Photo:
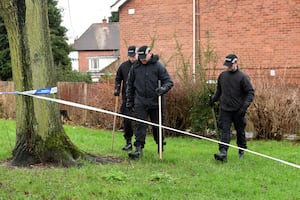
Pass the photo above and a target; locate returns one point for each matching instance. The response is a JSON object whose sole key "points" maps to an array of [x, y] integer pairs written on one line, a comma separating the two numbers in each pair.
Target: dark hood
{"points": [[154, 59]]}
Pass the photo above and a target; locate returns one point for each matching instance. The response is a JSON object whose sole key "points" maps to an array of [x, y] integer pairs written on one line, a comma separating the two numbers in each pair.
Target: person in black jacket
{"points": [[236, 94], [121, 79], [142, 94]]}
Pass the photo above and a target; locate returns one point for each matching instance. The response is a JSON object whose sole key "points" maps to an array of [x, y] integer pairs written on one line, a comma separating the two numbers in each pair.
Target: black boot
{"points": [[128, 146], [222, 156], [136, 154], [241, 154]]}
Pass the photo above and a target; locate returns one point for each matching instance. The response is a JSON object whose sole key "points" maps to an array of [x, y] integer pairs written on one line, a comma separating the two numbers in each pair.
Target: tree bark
{"points": [[40, 134]]}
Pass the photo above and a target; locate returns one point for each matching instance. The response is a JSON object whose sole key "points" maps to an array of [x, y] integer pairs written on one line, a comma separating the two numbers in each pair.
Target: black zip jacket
{"points": [[235, 90], [143, 80]]}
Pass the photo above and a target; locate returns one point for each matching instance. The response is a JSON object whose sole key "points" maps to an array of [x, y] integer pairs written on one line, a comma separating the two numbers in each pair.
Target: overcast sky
{"points": [[79, 15]]}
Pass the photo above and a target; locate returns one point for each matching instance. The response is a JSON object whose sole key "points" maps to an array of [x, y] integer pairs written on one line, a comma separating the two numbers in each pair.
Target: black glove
{"points": [[242, 111], [211, 102], [161, 90], [117, 92], [129, 105]]}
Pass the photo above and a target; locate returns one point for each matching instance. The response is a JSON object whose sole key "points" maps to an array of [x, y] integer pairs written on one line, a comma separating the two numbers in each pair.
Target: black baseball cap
{"points": [[230, 59], [143, 51], [131, 51]]}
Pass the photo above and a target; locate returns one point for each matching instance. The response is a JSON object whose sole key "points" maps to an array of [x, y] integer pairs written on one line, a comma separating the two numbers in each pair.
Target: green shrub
{"points": [[201, 113], [195, 87], [73, 76]]}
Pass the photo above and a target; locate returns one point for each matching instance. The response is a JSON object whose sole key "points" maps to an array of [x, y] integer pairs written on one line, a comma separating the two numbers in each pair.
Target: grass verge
{"points": [[187, 171]]}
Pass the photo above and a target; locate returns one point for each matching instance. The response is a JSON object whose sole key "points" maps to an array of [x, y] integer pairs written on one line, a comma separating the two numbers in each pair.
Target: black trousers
{"points": [[127, 123], [143, 112], [225, 120]]}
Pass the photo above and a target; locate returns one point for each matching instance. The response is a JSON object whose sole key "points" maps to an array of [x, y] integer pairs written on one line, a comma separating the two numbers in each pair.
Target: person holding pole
{"points": [[121, 79], [142, 95], [236, 93]]}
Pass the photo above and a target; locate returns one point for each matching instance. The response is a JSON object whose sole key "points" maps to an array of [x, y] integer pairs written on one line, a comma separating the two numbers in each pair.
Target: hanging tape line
{"points": [[44, 91], [52, 90]]}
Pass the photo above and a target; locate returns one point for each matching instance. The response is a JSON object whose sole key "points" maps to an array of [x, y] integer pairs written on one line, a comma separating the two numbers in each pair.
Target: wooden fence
{"points": [[99, 95]]}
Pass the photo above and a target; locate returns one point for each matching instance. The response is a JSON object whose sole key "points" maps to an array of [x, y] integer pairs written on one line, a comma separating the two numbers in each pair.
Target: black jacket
{"points": [[143, 80], [235, 90], [122, 74]]}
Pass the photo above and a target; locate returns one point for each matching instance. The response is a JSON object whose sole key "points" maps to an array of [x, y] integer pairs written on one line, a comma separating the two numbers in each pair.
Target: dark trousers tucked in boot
{"points": [[222, 156], [136, 154], [128, 146]]}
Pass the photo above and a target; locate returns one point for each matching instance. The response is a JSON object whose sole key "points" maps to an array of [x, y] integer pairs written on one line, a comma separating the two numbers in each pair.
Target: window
{"points": [[96, 64]]}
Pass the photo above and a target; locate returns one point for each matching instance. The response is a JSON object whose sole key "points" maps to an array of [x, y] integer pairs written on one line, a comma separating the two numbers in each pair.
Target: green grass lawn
{"points": [[187, 171]]}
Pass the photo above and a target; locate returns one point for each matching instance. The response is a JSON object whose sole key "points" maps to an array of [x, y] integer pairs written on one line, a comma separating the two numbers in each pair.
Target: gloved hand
{"points": [[117, 92], [129, 105], [211, 102], [160, 91], [117, 89], [242, 111]]}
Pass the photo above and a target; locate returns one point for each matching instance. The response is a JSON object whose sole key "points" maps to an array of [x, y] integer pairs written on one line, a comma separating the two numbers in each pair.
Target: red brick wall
{"points": [[157, 21], [264, 34], [83, 61]]}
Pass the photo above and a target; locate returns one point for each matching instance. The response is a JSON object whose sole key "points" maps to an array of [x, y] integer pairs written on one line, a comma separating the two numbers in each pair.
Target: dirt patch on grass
{"points": [[96, 159]]}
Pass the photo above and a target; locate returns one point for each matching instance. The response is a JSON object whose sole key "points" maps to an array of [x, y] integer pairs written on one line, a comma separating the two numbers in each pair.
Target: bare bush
{"points": [[178, 108], [275, 111]]}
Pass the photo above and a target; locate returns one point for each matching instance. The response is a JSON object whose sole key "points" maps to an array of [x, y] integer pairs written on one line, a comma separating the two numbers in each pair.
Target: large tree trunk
{"points": [[40, 134]]}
